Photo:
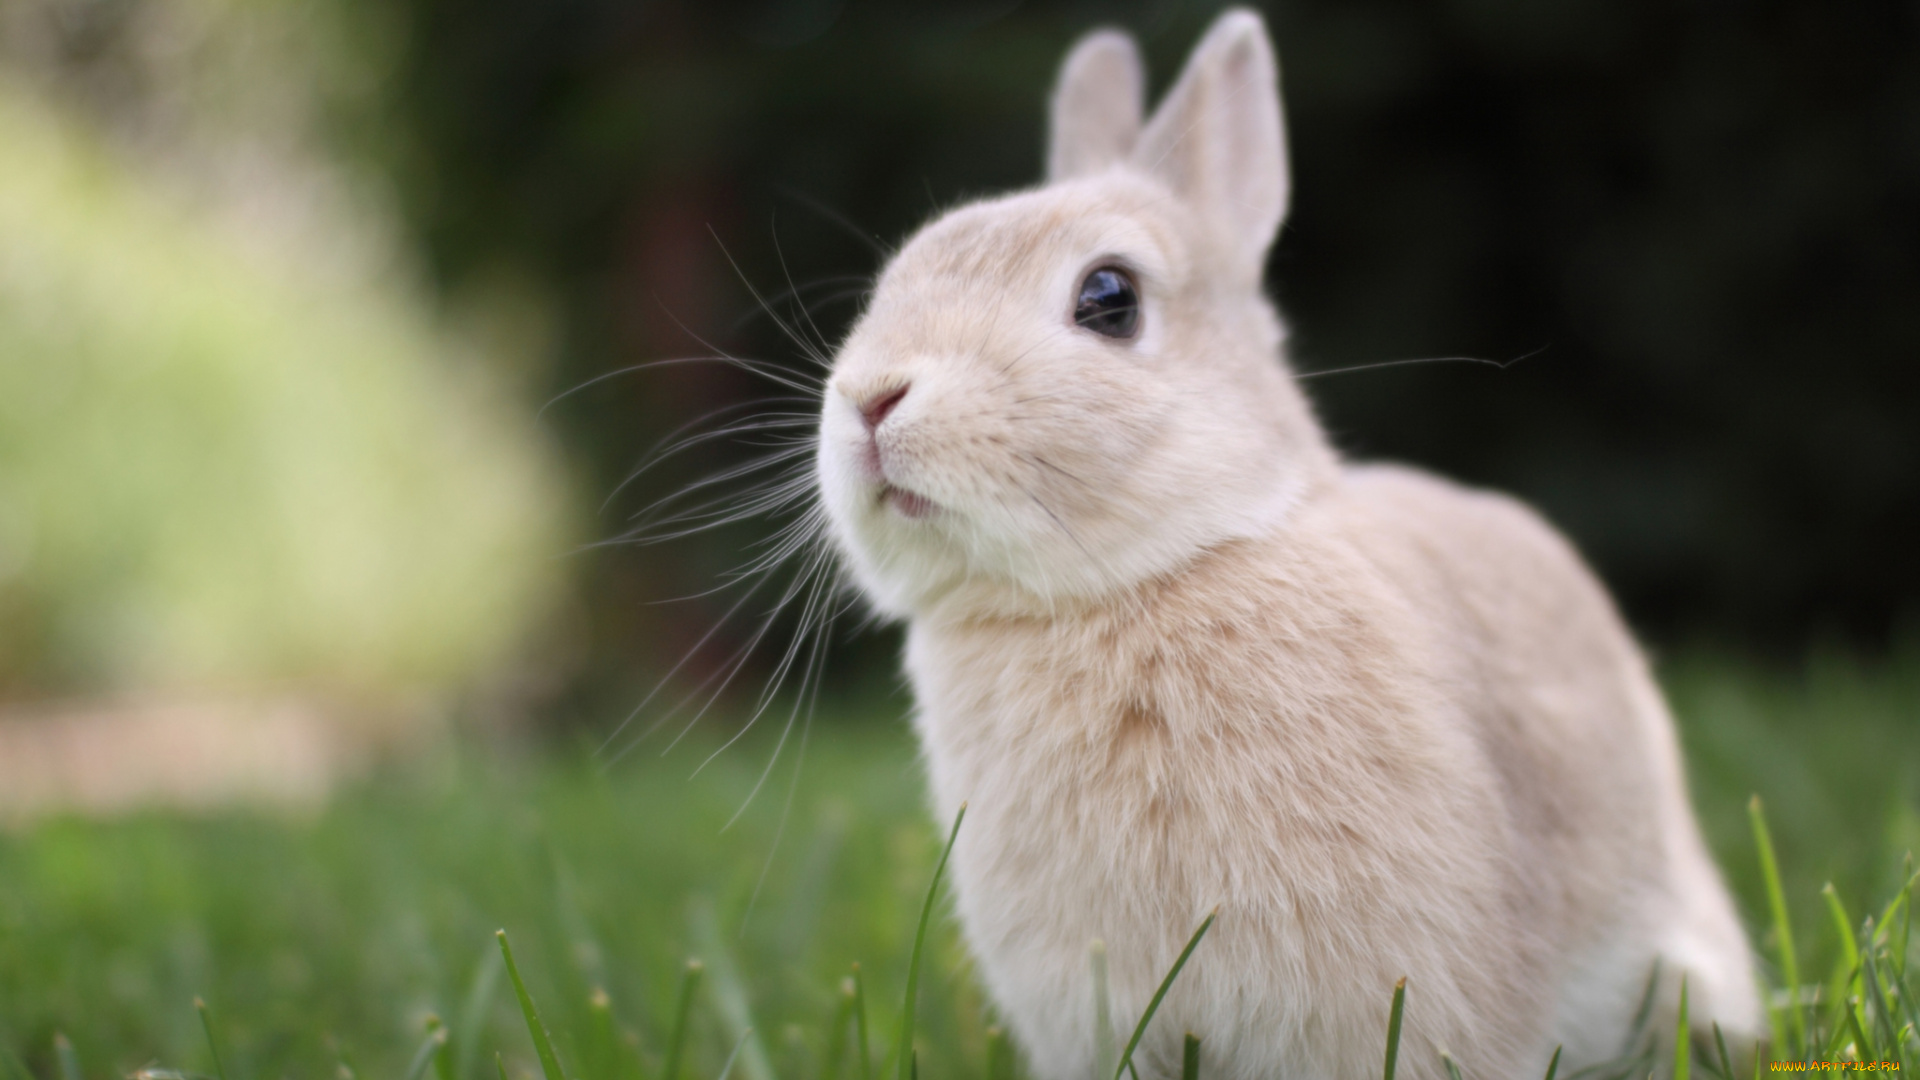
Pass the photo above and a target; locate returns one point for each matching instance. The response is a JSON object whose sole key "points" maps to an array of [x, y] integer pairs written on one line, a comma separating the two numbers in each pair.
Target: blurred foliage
{"points": [[1695, 228], [1698, 223], [230, 460]]}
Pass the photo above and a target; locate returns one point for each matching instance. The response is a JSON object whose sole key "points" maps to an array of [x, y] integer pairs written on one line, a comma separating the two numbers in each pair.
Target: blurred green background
{"points": [[284, 283]]}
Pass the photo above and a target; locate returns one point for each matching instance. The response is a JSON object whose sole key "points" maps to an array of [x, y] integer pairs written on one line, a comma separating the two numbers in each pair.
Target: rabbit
{"points": [[1175, 655]]}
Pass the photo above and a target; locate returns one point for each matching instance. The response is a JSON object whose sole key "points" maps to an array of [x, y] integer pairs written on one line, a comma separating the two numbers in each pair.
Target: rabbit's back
{"points": [[1569, 719]]}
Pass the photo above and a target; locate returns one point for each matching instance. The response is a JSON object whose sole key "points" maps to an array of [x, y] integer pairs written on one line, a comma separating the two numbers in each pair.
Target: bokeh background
{"points": [[325, 333], [285, 286]]}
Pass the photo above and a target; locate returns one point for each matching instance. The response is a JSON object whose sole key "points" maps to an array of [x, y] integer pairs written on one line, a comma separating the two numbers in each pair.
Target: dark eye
{"points": [[1109, 303]]}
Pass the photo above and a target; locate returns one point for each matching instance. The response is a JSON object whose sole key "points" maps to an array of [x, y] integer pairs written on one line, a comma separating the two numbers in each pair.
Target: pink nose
{"points": [[876, 408]]}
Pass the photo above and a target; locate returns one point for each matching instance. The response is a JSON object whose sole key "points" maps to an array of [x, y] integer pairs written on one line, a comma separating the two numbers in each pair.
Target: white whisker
{"points": [[1501, 365]]}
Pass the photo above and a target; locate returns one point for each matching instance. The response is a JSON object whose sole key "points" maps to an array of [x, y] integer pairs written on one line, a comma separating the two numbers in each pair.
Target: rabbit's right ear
{"points": [[1097, 105], [1218, 139]]}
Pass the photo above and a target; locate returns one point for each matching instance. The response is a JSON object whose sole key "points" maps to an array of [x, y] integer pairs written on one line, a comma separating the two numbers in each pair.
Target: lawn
{"points": [[325, 943]]}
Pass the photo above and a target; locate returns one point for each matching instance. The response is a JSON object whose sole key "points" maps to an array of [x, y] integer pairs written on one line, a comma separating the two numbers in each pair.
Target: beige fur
{"points": [[1175, 654]]}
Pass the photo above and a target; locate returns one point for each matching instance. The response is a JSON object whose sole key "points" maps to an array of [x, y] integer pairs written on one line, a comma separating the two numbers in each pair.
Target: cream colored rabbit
{"points": [[1174, 653]]}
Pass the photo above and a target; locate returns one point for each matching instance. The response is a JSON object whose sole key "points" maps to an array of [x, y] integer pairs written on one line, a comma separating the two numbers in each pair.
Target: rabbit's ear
{"points": [[1218, 138], [1097, 105]]}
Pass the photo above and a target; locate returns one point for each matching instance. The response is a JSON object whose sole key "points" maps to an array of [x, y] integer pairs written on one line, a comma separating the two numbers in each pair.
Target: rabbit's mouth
{"points": [[906, 502]]}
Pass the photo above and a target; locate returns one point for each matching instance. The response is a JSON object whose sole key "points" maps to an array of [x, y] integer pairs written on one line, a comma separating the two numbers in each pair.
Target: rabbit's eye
{"points": [[1109, 303]]}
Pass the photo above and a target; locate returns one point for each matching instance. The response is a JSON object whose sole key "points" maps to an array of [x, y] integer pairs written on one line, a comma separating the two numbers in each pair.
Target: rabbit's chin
{"points": [[914, 547]]}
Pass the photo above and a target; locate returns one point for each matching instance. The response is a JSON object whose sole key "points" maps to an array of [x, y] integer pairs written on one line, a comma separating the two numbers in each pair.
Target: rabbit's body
{"points": [[1375, 739], [1175, 655]]}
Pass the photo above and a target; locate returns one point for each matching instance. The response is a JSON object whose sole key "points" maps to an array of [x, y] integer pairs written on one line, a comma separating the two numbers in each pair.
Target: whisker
{"points": [[811, 385], [796, 533], [806, 313], [685, 658], [808, 681], [676, 361], [811, 697], [1045, 464], [798, 292], [879, 246], [1048, 510], [735, 664], [1499, 364], [766, 624], [735, 472], [799, 340], [713, 514], [773, 685], [662, 452]]}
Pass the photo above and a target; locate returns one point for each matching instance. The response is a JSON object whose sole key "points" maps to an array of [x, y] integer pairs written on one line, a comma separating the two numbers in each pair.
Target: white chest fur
{"points": [[1288, 762]]}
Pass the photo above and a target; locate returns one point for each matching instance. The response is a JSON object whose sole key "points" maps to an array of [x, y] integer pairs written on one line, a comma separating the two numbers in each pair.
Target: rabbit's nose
{"points": [[875, 409]]}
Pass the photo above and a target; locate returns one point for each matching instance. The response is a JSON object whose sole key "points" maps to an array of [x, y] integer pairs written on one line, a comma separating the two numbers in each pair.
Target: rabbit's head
{"points": [[1065, 391]]}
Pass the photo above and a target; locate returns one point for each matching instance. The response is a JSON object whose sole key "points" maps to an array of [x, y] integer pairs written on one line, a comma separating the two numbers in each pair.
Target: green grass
{"points": [[363, 937]]}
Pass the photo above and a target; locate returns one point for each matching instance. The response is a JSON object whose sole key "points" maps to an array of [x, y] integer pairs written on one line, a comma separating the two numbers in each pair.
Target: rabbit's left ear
{"points": [[1219, 141], [1097, 103]]}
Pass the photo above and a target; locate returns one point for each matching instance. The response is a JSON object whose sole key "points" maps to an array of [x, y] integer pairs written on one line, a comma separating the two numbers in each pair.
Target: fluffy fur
{"points": [[1175, 654]]}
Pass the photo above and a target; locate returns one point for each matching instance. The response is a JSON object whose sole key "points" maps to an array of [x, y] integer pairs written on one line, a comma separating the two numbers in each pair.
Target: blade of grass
{"points": [[423, 1057], [1899, 911], [1838, 1034], [1190, 1058], [1720, 1044], [727, 991], [344, 1067], [443, 1055], [1453, 1070], [1883, 1012], [1395, 1014], [1683, 1039], [500, 1063], [603, 1047], [1910, 1002], [1104, 1061], [1643, 1013], [11, 1067], [1906, 923], [472, 1022], [1140, 1029], [213, 1048], [1783, 931], [738, 1045], [1849, 945], [919, 944], [840, 1031], [999, 1055], [542, 1042], [682, 1016], [1553, 1064], [863, 1044], [1862, 1046], [65, 1057], [1900, 898]]}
